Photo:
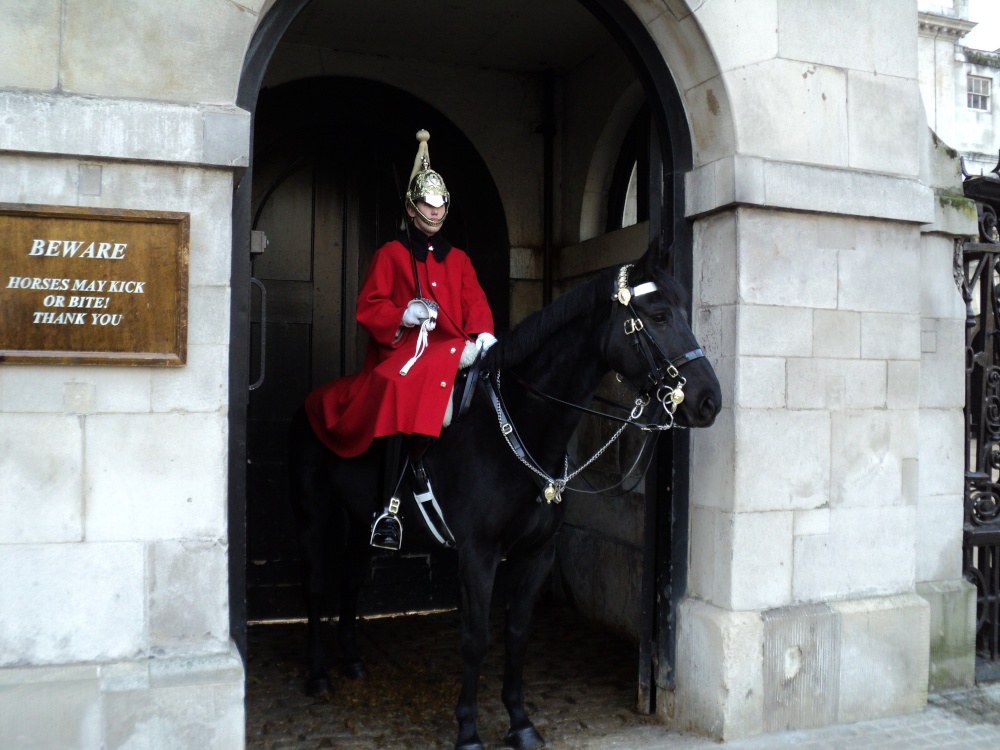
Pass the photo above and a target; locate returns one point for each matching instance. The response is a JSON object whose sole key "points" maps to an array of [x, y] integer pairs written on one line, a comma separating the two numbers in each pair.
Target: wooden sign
{"points": [[93, 286]]}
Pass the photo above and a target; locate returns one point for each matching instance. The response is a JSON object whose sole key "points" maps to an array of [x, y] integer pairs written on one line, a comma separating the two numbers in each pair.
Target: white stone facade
{"points": [[826, 502], [114, 600]]}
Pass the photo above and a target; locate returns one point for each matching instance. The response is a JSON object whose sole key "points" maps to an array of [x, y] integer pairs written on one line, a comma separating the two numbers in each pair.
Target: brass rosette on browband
{"points": [[425, 184]]}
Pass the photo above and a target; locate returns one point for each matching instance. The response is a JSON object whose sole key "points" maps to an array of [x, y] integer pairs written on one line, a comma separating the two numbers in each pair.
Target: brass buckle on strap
{"points": [[632, 325]]}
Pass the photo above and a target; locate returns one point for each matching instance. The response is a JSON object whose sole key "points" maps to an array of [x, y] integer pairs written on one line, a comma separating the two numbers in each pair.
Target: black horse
{"points": [[499, 471]]}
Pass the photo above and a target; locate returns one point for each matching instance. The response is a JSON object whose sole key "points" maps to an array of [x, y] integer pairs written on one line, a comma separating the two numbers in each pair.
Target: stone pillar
{"points": [[941, 395], [114, 610], [825, 495], [817, 496], [804, 494]]}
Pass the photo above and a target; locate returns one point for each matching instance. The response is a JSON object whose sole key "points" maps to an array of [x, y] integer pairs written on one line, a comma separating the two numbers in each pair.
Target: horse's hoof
{"points": [[477, 745], [319, 687], [526, 738], [356, 670]]}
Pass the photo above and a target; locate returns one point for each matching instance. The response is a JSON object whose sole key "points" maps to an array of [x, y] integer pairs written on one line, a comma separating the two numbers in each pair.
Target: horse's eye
{"points": [[661, 317]]}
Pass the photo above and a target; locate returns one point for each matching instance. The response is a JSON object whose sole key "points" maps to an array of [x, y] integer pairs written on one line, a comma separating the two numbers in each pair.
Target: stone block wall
{"points": [[828, 491], [826, 317], [114, 611], [801, 666], [834, 479], [192, 702], [114, 541]]}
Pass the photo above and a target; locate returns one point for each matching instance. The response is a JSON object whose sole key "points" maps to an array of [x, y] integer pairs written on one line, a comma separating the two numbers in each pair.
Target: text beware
{"points": [[70, 248]]}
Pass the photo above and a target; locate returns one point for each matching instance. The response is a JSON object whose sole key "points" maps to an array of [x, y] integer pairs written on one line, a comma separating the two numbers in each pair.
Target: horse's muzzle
{"points": [[702, 396]]}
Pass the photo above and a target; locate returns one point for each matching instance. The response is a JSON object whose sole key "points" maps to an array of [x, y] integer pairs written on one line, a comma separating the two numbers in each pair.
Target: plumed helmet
{"points": [[425, 184]]}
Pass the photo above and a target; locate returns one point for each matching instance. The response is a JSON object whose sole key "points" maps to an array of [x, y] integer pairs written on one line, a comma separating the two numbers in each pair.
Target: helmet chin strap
{"points": [[429, 221]]}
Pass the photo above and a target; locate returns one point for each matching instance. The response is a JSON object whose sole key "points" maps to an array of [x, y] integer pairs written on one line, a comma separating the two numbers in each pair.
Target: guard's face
{"points": [[433, 213]]}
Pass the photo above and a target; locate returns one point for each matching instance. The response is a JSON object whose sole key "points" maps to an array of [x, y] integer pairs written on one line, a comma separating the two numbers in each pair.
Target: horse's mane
{"points": [[539, 328]]}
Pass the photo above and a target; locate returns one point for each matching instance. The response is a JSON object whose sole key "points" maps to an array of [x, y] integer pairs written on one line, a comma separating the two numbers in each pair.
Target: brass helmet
{"points": [[425, 184]]}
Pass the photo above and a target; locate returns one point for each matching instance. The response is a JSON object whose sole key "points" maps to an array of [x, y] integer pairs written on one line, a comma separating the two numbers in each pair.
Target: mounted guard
{"points": [[426, 316]]}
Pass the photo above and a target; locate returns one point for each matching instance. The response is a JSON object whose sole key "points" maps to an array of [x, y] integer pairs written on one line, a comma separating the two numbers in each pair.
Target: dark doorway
{"points": [[332, 157]]}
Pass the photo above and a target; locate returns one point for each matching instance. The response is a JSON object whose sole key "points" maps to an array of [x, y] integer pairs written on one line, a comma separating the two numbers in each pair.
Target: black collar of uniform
{"points": [[418, 243]]}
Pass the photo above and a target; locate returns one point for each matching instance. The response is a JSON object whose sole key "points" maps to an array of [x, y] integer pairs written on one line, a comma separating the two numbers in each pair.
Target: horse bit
{"points": [[668, 396]]}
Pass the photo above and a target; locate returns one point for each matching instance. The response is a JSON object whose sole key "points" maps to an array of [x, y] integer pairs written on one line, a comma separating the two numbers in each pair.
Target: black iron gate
{"points": [[981, 532]]}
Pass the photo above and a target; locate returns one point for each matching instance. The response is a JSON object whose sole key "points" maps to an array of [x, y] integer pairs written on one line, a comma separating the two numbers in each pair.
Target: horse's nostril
{"points": [[709, 408]]}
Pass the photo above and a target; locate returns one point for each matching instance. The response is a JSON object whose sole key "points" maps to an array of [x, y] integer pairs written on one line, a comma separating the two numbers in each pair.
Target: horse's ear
{"points": [[667, 259], [647, 264], [655, 261]]}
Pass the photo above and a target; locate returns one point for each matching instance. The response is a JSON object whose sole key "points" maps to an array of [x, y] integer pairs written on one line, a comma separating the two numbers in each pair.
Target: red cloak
{"points": [[348, 413]]}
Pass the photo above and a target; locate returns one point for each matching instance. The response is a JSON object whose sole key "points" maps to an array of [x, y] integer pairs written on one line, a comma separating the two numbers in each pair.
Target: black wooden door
{"points": [[329, 172]]}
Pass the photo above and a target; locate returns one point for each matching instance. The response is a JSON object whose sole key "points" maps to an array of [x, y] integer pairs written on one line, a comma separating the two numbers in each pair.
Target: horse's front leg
{"points": [[477, 571], [526, 577]]}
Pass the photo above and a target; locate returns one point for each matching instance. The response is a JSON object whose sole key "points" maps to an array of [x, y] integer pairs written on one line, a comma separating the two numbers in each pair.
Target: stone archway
{"points": [[648, 35]]}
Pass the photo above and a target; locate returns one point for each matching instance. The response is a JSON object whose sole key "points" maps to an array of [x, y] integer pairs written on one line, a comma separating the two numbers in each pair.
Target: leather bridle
{"points": [[665, 383], [664, 380]]}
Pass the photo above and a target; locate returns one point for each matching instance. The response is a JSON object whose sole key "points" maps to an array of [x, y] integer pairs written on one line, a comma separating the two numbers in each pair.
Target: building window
{"points": [[628, 198], [979, 93]]}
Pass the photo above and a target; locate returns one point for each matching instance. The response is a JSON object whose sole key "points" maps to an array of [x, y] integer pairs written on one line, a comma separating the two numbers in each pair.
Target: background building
{"points": [[957, 83]]}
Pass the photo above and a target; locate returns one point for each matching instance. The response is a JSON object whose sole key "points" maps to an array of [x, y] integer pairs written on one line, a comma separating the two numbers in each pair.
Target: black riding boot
{"points": [[418, 474], [387, 528]]}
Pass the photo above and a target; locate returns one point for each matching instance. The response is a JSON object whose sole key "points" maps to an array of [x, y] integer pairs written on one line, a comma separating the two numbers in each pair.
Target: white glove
{"points": [[484, 341], [416, 313]]}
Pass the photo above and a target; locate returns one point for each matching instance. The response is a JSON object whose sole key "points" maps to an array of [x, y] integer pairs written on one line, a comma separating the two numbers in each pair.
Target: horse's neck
{"points": [[573, 379], [571, 374]]}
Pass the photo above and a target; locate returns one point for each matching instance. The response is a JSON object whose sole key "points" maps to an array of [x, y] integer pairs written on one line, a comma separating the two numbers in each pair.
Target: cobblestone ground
{"points": [[579, 686]]}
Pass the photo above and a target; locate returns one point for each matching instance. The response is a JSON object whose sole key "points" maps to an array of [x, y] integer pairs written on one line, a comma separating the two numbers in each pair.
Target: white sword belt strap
{"points": [[437, 526]]}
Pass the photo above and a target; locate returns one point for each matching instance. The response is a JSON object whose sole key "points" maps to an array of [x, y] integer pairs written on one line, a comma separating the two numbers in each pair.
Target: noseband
{"points": [[663, 376]]}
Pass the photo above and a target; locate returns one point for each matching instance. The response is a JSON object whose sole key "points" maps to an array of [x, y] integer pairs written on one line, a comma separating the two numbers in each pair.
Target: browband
{"points": [[644, 288]]}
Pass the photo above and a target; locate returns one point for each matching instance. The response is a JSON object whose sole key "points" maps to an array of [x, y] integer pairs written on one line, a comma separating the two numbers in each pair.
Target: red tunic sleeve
{"points": [[381, 301]]}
